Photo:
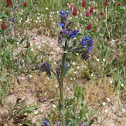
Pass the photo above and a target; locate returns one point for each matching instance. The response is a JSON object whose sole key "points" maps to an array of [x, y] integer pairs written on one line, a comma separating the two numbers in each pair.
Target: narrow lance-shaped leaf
{"points": [[22, 40], [67, 71], [91, 122]]}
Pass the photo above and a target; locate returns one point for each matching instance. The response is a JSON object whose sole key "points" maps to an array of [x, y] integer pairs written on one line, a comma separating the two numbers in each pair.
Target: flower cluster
{"points": [[66, 30], [75, 11], [119, 4], [64, 15], [25, 4], [9, 2], [3, 26], [88, 43], [89, 26], [84, 3], [106, 2]]}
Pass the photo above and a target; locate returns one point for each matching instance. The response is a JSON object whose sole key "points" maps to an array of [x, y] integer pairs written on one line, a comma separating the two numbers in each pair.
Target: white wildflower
{"points": [[36, 112], [108, 99], [92, 75], [103, 103], [73, 63], [78, 67], [53, 105], [122, 85], [111, 81], [97, 60]]}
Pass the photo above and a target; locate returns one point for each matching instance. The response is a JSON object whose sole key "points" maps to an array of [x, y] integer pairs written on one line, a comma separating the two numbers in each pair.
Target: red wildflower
{"points": [[3, 26], [84, 3], [119, 4], [91, 9], [35, 0], [101, 13], [93, 30], [71, 5], [10, 2], [106, 2], [87, 14], [23, 54], [2, 45], [75, 11], [89, 26], [25, 4], [27, 46]]}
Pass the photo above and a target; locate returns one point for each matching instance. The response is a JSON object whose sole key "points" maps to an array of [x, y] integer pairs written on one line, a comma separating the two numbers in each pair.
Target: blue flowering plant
{"points": [[65, 40]]}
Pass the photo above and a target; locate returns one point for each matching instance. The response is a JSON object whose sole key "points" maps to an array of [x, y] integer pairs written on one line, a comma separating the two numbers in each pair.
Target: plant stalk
{"points": [[107, 24], [61, 85]]}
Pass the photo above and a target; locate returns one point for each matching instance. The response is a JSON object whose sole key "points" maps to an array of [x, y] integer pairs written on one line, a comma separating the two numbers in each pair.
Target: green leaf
{"points": [[28, 109], [3, 16], [22, 40], [67, 71], [29, 58], [66, 52], [91, 122], [11, 40], [94, 112], [60, 106], [69, 43], [112, 63], [79, 92]]}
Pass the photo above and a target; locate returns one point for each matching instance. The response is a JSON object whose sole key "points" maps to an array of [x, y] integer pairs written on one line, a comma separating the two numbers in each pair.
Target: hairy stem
{"points": [[61, 86]]}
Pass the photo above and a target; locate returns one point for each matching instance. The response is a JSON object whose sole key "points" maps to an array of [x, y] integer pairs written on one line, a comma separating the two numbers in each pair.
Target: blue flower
{"points": [[84, 39], [59, 63], [84, 43], [72, 35], [12, 19], [45, 122], [75, 32], [21, 1], [86, 36], [64, 13], [46, 63], [61, 24], [89, 48], [67, 32], [88, 40], [92, 42]]}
